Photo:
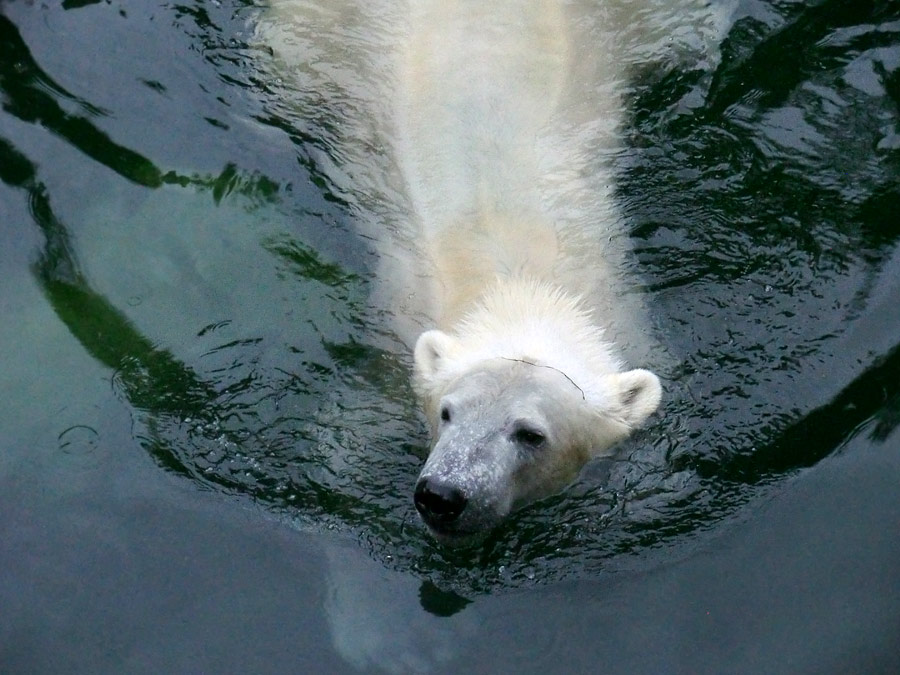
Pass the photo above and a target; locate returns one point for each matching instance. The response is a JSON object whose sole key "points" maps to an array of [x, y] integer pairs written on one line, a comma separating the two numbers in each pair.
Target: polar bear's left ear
{"points": [[433, 348], [636, 394]]}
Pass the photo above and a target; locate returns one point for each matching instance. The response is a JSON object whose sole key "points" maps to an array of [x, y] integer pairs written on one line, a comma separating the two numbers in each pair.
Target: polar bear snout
{"points": [[438, 503]]}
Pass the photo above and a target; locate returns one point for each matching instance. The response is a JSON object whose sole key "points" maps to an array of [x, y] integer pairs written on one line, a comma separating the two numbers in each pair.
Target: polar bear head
{"points": [[508, 430]]}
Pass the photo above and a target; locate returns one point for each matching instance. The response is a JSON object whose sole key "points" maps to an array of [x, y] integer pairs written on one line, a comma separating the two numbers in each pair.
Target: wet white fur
{"points": [[485, 102], [527, 253], [538, 323], [477, 144]]}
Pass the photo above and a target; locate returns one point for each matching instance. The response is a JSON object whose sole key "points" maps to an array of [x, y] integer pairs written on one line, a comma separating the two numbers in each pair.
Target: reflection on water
{"points": [[762, 198]]}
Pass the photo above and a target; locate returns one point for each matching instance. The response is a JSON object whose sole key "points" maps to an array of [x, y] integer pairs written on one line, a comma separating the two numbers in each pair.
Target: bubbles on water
{"points": [[78, 439]]}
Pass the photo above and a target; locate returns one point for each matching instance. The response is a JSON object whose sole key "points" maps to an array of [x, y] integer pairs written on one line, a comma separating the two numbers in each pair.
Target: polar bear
{"points": [[519, 381], [492, 129]]}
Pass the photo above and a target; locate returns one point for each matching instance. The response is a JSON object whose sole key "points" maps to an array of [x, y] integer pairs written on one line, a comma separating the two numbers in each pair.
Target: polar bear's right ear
{"points": [[637, 394], [433, 348]]}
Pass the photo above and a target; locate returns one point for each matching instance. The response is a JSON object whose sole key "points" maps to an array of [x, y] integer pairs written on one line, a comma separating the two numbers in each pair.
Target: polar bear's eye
{"points": [[530, 437], [445, 413]]}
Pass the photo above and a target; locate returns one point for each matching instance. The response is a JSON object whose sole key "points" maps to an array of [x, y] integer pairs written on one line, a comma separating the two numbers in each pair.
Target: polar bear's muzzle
{"points": [[439, 503], [450, 514]]}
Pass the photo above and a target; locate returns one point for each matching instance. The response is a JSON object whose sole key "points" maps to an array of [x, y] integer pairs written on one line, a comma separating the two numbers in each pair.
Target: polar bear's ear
{"points": [[432, 349], [636, 394]]}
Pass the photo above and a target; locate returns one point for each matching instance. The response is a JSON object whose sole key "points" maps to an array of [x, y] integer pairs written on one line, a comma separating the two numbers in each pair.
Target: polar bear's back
{"points": [[479, 83], [493, 149], [502, 118], [508, 122]]}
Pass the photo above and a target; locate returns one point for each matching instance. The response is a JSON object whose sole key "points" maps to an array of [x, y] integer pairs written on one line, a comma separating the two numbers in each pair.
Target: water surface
{"points": [[209, 439]]}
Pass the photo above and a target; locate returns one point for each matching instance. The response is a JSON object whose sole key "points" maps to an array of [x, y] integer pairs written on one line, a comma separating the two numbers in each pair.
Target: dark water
{"points": [[209, 440]]}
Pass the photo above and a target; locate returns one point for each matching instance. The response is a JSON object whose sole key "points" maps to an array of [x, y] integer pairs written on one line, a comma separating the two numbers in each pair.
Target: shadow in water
{"points": [[809, 440], [29, 94], [153, 379], [803, 37]]}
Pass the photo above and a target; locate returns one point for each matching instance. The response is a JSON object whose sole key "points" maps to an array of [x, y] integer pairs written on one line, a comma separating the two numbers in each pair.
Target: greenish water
{"points": [[208, 437]]}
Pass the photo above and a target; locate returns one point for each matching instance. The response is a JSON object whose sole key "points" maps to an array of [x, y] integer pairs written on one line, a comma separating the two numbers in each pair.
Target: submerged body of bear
{"points": [[503, 121], [519, 383]]}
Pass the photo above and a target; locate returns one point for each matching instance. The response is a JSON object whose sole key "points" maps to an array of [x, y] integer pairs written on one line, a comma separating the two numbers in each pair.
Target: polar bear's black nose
{"points": [[437, 502]]}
